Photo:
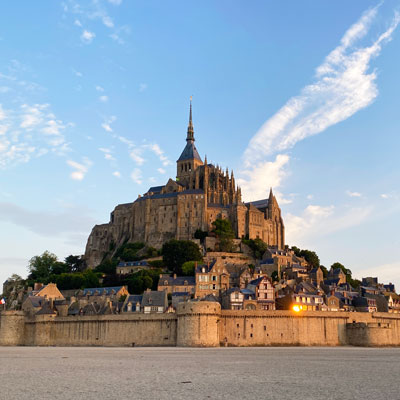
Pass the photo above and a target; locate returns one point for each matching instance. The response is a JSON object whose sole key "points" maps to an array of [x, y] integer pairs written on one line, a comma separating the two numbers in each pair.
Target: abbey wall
{"points": [[203, 324]]}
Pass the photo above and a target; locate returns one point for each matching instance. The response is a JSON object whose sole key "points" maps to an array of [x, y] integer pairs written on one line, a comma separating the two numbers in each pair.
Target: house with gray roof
{"points": [[154, 301]]}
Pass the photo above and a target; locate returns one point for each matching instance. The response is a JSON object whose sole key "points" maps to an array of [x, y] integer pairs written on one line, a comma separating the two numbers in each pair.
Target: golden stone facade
{"points": [[200, 194]]}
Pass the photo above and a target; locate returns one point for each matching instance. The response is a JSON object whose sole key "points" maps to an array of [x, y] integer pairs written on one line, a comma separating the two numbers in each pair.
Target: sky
{"points": [[301, 96]]}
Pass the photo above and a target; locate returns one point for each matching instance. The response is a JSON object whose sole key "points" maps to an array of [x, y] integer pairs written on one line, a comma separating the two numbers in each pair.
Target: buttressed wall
{"points": [[203, 324]]}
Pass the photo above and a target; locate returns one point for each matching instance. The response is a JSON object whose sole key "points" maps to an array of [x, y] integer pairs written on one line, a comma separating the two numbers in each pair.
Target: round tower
{"points": [[198, 324]]}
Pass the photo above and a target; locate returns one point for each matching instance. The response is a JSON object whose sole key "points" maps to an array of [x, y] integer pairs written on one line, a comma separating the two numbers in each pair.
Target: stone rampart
{"points": [[203, 324]]}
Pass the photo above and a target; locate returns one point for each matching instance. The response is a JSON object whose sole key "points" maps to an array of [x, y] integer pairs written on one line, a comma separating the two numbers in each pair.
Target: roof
{"points": [[36, 301], [169, 195], [189, 152], [102, 291], [207, 267], [155, 298], [258, 203], [133, 264], [178, 280], [155, 189]]}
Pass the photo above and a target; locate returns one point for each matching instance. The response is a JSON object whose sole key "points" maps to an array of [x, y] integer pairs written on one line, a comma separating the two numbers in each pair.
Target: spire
{"points": [[190, 130], [270, 193]]}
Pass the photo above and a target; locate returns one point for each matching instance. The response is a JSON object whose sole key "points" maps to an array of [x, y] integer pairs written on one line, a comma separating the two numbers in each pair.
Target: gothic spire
{"points": [[190, 130]]}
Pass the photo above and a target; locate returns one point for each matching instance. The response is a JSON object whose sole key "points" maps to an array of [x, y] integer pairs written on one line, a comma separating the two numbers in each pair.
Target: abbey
{"points": [[200, 194]]}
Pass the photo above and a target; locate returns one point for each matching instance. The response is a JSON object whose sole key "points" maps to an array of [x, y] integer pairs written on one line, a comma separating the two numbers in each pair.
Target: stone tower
{"points": [[190, 159]]}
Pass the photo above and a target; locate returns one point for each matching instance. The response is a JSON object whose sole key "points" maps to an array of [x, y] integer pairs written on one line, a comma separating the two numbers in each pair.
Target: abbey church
{"points": [[200, 194]]}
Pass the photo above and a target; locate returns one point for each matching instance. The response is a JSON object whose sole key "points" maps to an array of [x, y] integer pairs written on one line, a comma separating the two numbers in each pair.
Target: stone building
{"points": [[200, 193]]}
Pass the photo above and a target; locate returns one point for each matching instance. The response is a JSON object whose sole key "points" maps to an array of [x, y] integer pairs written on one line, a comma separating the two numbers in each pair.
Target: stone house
{"points": [[233, 299], [49, 291], [333, 303], [130, 267], [132, 303], [264, 292], [316, 276], [154, 302], [364, 304], [113, 292], [239, 275], [176, 283], [337, 273], [211, 278]]}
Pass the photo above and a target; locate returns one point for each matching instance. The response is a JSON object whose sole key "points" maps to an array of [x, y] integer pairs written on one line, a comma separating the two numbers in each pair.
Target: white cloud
{"points": [[256, 181], [310, 196], [342, 86], [136, 176], [103, 99], [77, 73], [80, 169], [32, 115], [384, 196], [117, 174], [78, 23], [106, 125], [87, 36], [353, 194], [155, 148], [99, 88], [316, 221], [161, 170], [108, 22], [136, 155], [115, 2], [107, 154]]}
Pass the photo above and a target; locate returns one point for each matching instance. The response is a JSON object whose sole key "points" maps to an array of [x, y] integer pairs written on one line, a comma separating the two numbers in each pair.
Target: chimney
{"points": [[37, 286]]}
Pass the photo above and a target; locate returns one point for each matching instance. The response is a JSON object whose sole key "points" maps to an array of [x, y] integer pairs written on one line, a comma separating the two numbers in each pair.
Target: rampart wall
{"points": [[203, 324]]}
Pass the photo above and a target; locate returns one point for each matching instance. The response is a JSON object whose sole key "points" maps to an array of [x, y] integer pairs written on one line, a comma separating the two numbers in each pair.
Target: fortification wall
{"points": [[12, 328], [203, 324], [107, 330], [311, 328]]}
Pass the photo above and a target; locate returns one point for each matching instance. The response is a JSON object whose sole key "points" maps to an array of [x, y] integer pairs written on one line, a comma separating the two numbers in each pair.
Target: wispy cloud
{"points": [[142, 87], [342, 86], [103, 99], [136, 155], [80, 169], [117, 174], [316, 221], [106, 125], [156, 149], [136, 176], [353, 194]]}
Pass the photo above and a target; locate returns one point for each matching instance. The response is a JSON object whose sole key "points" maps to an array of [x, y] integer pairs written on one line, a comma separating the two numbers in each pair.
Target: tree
{"points": [[310, 256], [41, 267], [107, 266], [188, 268], [257, 246], [75, 263], [274, 276], [324, 271], [176, 252], [224, 232], [199, 234]]}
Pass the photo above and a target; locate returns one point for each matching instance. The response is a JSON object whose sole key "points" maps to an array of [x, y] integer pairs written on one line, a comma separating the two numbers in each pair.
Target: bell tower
{"points": [[190, 158]]}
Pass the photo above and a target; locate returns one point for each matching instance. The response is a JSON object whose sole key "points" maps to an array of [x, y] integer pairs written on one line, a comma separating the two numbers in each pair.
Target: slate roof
{"points": [[170, 195], [36, 301], [133, 264], [101, 291], [179, 280], [155, 189], [154, 298], [189, 152], [208, 267], [259, 204]]}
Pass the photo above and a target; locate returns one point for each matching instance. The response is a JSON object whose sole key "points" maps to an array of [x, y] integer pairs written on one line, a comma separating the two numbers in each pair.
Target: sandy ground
{"points": [[181, 373]]}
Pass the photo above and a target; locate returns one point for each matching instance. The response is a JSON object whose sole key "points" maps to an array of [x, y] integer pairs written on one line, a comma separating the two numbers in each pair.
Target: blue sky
{"points": [[301, 96]]}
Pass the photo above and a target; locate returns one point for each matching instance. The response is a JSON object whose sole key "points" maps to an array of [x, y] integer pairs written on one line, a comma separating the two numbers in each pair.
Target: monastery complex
{"points": [[200, 194]]}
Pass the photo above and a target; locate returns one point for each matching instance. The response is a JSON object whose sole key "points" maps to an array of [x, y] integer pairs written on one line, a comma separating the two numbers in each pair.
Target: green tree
{"points": [[199, 234], [257, 246], [324, 270], [310, 256], [176, 252], [224, 232], [75, 263], [188, 268], [107, 266], [274, 276], [41, 267]]}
